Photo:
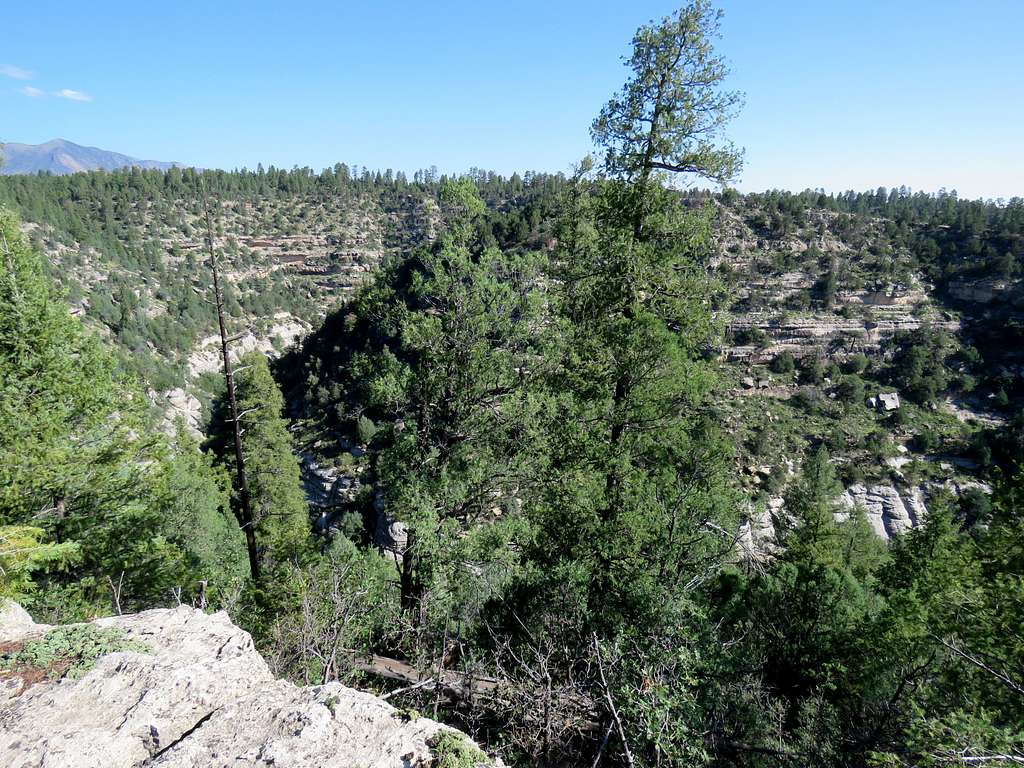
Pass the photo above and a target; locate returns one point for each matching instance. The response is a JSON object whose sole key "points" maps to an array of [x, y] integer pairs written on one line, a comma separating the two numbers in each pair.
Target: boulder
{"points": [[390, 534], [756, 538], [201, 696], [890, 401], [320, 483], [181, 405], [15, 621]]}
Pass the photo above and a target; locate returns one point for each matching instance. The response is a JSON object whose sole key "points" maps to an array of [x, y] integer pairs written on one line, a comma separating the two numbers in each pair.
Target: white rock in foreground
{"points": [[203, 697]]}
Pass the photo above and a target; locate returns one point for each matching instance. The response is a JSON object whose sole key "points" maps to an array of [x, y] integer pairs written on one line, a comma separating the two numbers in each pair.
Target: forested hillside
{"points": [[604, 469], [125, 247]]}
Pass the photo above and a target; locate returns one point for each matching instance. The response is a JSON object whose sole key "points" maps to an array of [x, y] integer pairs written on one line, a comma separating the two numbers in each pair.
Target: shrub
{"points": [[750, 336], [454, 751], [69, 651], [367, 429], [856, 364], [813, 371], [807, 400], [975, 507], [851, 389], [783, 363], [926, 441]]}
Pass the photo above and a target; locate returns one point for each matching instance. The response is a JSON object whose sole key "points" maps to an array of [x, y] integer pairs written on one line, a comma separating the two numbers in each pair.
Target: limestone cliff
{"points": [[190, 691]]}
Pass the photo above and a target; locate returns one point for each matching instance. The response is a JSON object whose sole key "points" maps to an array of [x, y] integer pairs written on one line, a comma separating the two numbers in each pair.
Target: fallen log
{"points": [[460, 687]]}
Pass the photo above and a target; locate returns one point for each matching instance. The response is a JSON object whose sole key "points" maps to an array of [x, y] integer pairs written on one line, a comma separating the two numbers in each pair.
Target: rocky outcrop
{"points": [[982, 291], [823, 332], [325, 486], [202, 696], [757, 537], [179, 405], [889, 511], [885, 401], [206, 356]]}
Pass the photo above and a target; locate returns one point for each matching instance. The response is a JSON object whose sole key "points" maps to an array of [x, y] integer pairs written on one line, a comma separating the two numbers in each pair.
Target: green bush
{"points": [[454, 751], [812, 371], [856, 364], [851, 389], [783, 363], [927, 440], [69, 651], [367, 429], [750, 336]]}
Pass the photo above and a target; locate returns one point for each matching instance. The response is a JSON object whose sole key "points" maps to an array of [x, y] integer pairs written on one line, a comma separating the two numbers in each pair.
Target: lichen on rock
{"points": [[179, 687]]}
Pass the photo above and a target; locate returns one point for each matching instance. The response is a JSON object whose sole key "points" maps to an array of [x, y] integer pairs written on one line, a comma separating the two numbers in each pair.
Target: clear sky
{"points": [[840, 94]]}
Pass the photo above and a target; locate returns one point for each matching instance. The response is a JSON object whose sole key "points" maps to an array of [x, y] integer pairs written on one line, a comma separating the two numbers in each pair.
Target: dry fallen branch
{"points": [[611, 702], [408, 688]]}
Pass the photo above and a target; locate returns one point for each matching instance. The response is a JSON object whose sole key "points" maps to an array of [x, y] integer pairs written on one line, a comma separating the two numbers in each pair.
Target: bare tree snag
{"points": [[243, 512]]}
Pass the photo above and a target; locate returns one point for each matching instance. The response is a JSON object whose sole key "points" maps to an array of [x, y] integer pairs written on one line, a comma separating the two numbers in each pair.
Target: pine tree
{"points": [[195, 501], [444, 343], [635, 510], [955, 605], [640, 492], [279, 505], [811, 530]]}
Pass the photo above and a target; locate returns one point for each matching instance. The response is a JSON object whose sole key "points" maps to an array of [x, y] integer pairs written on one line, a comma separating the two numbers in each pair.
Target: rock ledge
{"points": [[203, 697]]}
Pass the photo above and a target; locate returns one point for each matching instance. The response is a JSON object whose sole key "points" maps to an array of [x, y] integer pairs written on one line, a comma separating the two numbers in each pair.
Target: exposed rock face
{"points": [[757, 536], [323, 485], [813, 334], [889, 511], [983, 291], [203, 697], [180, 404], [390, 534], [206, 357]]}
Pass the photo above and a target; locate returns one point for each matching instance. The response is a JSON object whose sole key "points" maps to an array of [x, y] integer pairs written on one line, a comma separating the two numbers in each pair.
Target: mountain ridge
{"points": [[61, 157]]}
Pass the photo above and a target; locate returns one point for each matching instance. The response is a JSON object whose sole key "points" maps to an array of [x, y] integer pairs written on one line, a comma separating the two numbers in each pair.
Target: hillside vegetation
{"points": [[600, 468]]}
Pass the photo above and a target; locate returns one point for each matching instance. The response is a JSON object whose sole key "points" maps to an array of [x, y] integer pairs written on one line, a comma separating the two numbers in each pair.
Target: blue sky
{"points": [[839, 94]]}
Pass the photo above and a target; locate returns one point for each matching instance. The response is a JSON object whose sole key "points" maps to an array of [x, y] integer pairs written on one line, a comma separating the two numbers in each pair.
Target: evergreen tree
{"points": [[811, 531], [802, 632], [278, 500], [446, 341], [952, 628], [636, 509], [195, 501], [639, 492], [671, 113]]}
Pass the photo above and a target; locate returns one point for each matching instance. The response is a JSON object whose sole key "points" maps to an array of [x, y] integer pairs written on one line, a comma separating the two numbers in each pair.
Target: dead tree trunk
{"points": [[411, 586], [243, 511]]}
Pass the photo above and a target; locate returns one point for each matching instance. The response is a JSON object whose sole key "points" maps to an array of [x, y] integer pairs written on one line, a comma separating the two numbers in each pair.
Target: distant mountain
{"points": [[61, 157]]}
